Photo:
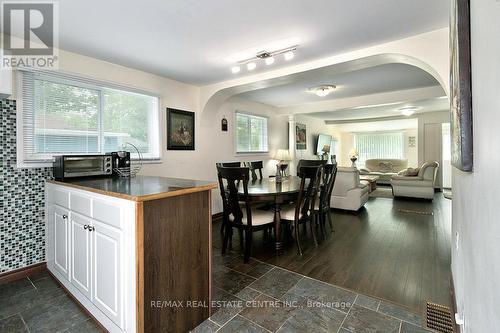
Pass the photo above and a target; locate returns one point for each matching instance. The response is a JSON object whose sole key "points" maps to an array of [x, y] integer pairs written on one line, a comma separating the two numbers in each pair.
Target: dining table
{"points": [[275, 192]]}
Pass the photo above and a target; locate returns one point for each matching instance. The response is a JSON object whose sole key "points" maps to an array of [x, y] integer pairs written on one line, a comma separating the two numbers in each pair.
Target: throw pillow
{"points": [[385, 167], [410, 172]]}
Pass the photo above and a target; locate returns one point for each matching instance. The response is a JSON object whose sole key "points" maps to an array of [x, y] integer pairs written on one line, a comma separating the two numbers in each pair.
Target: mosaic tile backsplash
{"points": [[22, 226]]}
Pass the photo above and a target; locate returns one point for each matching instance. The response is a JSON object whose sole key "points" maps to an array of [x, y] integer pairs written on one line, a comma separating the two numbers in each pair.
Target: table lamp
{"points": [[283, 156], [353, 156], [326, 151]]}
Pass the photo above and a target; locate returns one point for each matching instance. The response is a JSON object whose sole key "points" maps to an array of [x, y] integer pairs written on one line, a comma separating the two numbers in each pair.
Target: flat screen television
{"points": [[323, 140]]}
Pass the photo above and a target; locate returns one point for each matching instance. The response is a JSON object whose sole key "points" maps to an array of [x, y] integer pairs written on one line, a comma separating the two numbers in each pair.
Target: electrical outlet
{"points": [[457, 240]]}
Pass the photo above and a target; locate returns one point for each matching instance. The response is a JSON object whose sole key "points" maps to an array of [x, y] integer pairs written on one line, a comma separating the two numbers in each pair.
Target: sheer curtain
{"points": [[379, 145]]}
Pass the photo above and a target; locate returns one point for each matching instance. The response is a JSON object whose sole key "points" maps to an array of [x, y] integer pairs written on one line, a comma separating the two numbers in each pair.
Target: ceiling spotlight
{"points": [[235, 69], [289, 55], [322, 91], [408, 110], [251, 66], [269, 61]]}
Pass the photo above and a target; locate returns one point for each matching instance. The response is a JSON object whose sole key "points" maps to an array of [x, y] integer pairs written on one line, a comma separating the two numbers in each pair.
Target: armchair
{"points": [[348, 192], [420, 186]]}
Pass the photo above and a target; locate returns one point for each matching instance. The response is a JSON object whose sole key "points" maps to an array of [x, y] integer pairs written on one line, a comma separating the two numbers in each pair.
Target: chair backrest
{"points": [[428, 171], [329, 175], [307, 196], [255, 167], [230, 179], [229, 164], [308, 163]]}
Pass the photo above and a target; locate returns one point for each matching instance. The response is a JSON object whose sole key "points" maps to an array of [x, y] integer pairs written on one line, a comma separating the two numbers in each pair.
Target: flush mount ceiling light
{"points": [[322, 91], [408, 110], [268, 57]]}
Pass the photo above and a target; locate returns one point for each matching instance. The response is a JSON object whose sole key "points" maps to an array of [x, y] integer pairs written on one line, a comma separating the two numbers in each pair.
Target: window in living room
{"points": [[62, 114], [251, 133], [379, 145]]}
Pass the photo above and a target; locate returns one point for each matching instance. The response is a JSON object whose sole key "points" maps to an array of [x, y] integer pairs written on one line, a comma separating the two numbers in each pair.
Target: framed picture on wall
{"points": [[300, 137], [180, 129], [460, 86]]}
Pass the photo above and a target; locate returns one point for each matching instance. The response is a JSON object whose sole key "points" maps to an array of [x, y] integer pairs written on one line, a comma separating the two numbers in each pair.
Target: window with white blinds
{"points": [[379, 145], [251, 133], [62, 114]]}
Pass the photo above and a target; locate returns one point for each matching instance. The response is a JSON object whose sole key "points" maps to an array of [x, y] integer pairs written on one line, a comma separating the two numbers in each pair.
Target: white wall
{"points": [[213, 145], [429, 118], [314, 127], [476, 213]]}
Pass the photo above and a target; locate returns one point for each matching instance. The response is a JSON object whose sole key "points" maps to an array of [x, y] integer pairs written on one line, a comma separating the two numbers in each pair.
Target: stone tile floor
{"points": [[263, 298], [254, 297], [39, 304]]}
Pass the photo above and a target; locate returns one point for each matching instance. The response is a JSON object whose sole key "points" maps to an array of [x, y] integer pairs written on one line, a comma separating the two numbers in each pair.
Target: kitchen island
{"points": [[135, 252]]}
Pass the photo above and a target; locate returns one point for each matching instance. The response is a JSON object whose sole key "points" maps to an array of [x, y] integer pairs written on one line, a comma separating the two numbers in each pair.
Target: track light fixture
{"points": [[268, 57]]}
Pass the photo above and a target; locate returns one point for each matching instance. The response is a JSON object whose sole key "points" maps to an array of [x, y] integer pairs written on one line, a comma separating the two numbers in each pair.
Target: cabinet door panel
{"points": [[107, 271], [80, 253], [61, 244]]}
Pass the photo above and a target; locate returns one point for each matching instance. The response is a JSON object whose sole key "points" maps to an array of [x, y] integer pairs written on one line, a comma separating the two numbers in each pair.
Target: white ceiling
{"points": [[389, 125], [191, 41], [373, 80], [377, 111]]}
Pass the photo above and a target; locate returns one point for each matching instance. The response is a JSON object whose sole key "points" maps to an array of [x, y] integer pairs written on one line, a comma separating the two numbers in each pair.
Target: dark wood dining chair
{"points": [[322, 207], [237, 211], [255, 167], [226, 165], [229, 164], [308, 163], [302, 211]]}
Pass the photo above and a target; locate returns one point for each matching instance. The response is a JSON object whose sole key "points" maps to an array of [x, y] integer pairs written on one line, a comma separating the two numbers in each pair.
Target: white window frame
{"points": [[400, 132], [83, 82], [235, 134]]}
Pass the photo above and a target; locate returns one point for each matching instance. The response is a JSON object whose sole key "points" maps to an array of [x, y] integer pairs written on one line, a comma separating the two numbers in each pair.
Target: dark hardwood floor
{"points": [[397, 250]]}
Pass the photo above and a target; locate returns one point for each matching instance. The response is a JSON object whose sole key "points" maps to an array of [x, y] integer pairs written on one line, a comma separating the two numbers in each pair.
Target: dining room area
{"points": [[280, 238]]}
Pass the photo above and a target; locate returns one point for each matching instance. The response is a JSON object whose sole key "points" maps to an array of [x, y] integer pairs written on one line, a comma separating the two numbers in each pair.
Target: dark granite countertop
{"points": [[139, 188]]}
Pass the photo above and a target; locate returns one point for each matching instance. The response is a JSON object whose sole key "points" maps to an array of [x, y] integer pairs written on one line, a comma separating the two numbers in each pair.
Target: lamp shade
{"points": [[353, 152], [282, 155]]}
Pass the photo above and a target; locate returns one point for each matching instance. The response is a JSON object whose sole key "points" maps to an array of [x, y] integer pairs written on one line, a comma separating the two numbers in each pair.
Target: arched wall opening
{"points": [[217, 98], [226, 98]]}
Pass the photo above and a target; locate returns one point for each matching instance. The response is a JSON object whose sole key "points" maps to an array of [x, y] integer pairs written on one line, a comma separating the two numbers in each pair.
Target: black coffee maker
{"points": [[121, 162]]}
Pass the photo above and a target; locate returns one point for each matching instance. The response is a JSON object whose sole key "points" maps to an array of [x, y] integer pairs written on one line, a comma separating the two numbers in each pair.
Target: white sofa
{"points": [[384, 168], [420, 186], [348, 192]]}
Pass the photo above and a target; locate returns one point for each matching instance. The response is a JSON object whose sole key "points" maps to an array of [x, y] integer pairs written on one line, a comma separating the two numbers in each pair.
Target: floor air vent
{"points": [[438, 318]]}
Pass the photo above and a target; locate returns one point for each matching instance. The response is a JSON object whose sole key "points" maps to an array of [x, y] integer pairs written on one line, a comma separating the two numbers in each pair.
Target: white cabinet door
{"points": [[61, 241], [107, 277], [81, 253]]}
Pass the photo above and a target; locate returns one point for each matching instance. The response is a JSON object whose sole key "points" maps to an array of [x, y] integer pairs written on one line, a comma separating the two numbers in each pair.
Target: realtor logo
{"points": [[30, 34]]}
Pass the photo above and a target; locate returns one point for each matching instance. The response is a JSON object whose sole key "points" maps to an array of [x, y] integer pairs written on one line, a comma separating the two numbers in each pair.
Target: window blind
{"points": [[379, 145], [68, 115], [251, 133]]}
